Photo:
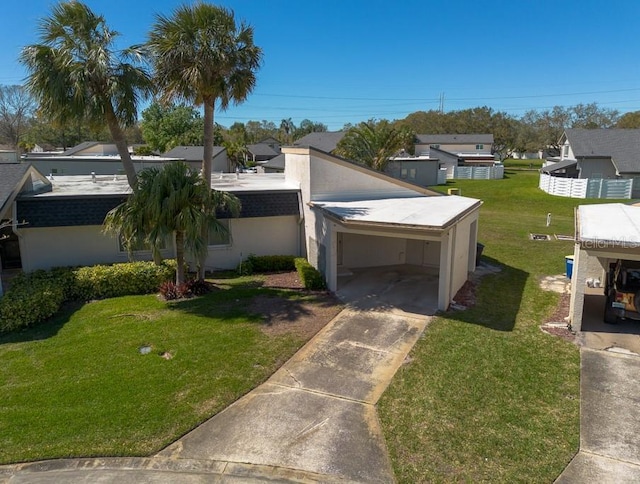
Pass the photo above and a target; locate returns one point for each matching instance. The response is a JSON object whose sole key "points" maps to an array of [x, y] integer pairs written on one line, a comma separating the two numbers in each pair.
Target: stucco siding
{"points": [[259, 236], [43, 248], [461, 254], [420, 172]]}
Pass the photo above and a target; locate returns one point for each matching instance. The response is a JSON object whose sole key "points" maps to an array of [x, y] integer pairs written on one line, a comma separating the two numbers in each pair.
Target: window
{"points": [[220, 237], [412, 174], [479, 147], [403, 173], [565, 149], [436, 146]]}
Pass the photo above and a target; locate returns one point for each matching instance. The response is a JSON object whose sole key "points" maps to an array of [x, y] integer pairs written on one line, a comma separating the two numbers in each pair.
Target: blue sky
{"points": [[346, 61]]}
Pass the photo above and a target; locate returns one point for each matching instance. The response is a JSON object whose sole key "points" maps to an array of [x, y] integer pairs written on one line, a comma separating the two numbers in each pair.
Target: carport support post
{"points": [[578, 283], [444, 283]]}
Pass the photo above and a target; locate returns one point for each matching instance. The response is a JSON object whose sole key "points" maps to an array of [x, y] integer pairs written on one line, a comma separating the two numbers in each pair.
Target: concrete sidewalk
{"points": [[609, 419], [313, 421]]}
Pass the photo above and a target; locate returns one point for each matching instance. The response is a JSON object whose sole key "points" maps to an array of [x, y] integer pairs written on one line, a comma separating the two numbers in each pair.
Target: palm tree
{"points": [[201, 56], [75, 72], [372, 143], [173, 201]]}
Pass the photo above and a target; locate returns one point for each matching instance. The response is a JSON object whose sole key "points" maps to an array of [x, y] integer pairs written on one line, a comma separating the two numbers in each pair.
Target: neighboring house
{"points": [[604, 233], [8, 156], [421, 170], [274, 165], [595, 163], [326, 141], [193, 156], [338, 214], [598, 153], [89, 157], [471, 149], [15, 179], [260, 152]]}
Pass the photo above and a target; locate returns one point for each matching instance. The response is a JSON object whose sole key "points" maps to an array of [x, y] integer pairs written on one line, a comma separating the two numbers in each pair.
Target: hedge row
{"points": [[256, 264], [37, 296]]}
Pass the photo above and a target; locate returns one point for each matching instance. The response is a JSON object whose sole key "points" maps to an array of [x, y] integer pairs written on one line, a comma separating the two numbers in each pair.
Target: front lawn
{"points": [[82, 385], [488, 396]]}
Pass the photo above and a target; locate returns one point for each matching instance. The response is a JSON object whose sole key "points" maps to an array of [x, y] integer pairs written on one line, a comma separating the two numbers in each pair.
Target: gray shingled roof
{"points": [[65, 211], [621, 145], [262, 149], [191, 153], [82, 146], [427, 139], [326, 141], [11, 174], [560, 165], [276, 163]]}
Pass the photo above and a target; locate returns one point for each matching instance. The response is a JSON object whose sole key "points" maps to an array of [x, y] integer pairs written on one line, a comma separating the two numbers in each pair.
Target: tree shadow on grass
{"points": [[256, 302], [498, 296]]}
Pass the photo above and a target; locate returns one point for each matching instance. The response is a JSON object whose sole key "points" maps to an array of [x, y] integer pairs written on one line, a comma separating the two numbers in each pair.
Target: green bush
{"points": [[267, 263], [36, 296], [32, 298], [309, 275], [103, 281]]}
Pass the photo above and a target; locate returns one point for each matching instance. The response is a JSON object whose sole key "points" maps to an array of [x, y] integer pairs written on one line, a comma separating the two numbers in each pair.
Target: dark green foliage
{"points": [[309, 275], [35, 297], [103, 281], [32, 298], [256, 264]]}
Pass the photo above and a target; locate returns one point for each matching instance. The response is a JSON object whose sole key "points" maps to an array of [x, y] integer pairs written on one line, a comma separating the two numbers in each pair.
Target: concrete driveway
{"points": [[314, 420], [609, 400]]}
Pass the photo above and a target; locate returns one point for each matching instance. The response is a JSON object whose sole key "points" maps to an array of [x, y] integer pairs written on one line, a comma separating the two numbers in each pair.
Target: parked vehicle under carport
{"points": [[622, 291]]}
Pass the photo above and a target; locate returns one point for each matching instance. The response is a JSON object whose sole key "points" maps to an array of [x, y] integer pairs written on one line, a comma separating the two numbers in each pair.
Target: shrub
{"points": [[37, 296], [169, 290], [31, 299], [309, 275], [104, 281], [267, 263]]}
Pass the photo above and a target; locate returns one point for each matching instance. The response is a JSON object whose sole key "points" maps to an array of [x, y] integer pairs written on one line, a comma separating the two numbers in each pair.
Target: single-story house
{"points": [[193, 156], [604, 233], [89, 157], [260, 152], [338, 214]]}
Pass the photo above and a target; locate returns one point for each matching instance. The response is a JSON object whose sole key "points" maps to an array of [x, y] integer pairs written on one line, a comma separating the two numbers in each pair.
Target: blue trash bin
{"points": [[568, 262]]}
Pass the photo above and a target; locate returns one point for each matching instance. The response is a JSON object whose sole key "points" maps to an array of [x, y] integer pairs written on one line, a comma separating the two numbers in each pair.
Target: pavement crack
{"points": [[298, 383], [310, 429]]}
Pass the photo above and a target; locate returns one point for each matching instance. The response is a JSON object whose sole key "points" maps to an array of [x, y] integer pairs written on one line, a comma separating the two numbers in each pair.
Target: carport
{"points": [[604, 233], [422, 247]]}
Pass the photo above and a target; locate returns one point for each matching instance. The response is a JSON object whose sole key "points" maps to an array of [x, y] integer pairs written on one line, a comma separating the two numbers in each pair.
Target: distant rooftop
{"points": [[79, 185], [483, 138]]}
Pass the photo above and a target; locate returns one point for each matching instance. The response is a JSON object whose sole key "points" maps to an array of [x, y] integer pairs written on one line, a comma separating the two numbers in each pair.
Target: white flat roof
{"points": [[608, 224], [117, 184], [436, 212]]}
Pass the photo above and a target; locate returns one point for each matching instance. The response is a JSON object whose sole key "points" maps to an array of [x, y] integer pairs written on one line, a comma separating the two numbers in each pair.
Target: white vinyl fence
{"points": [[586, 187], [477, 172]]}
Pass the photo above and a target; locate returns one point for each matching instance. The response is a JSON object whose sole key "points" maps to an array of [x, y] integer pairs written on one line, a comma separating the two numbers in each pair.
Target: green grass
{"points": [[78, 385], [512, 163], [488, 396]]}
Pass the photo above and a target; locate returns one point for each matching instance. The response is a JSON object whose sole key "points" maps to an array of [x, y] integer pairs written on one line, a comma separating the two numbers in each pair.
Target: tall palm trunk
{"points": [[207, 160], [179, 257], [121, 143]]}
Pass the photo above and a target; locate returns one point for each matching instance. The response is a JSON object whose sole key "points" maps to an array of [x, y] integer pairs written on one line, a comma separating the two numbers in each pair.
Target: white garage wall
{"points": [[367, 251], [461, 254], [259, 236], [423, 253]]}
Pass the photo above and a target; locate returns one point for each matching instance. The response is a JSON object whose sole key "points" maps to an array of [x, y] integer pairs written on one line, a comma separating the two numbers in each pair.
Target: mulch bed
{"points": [[301, 317], [558, 316]]}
